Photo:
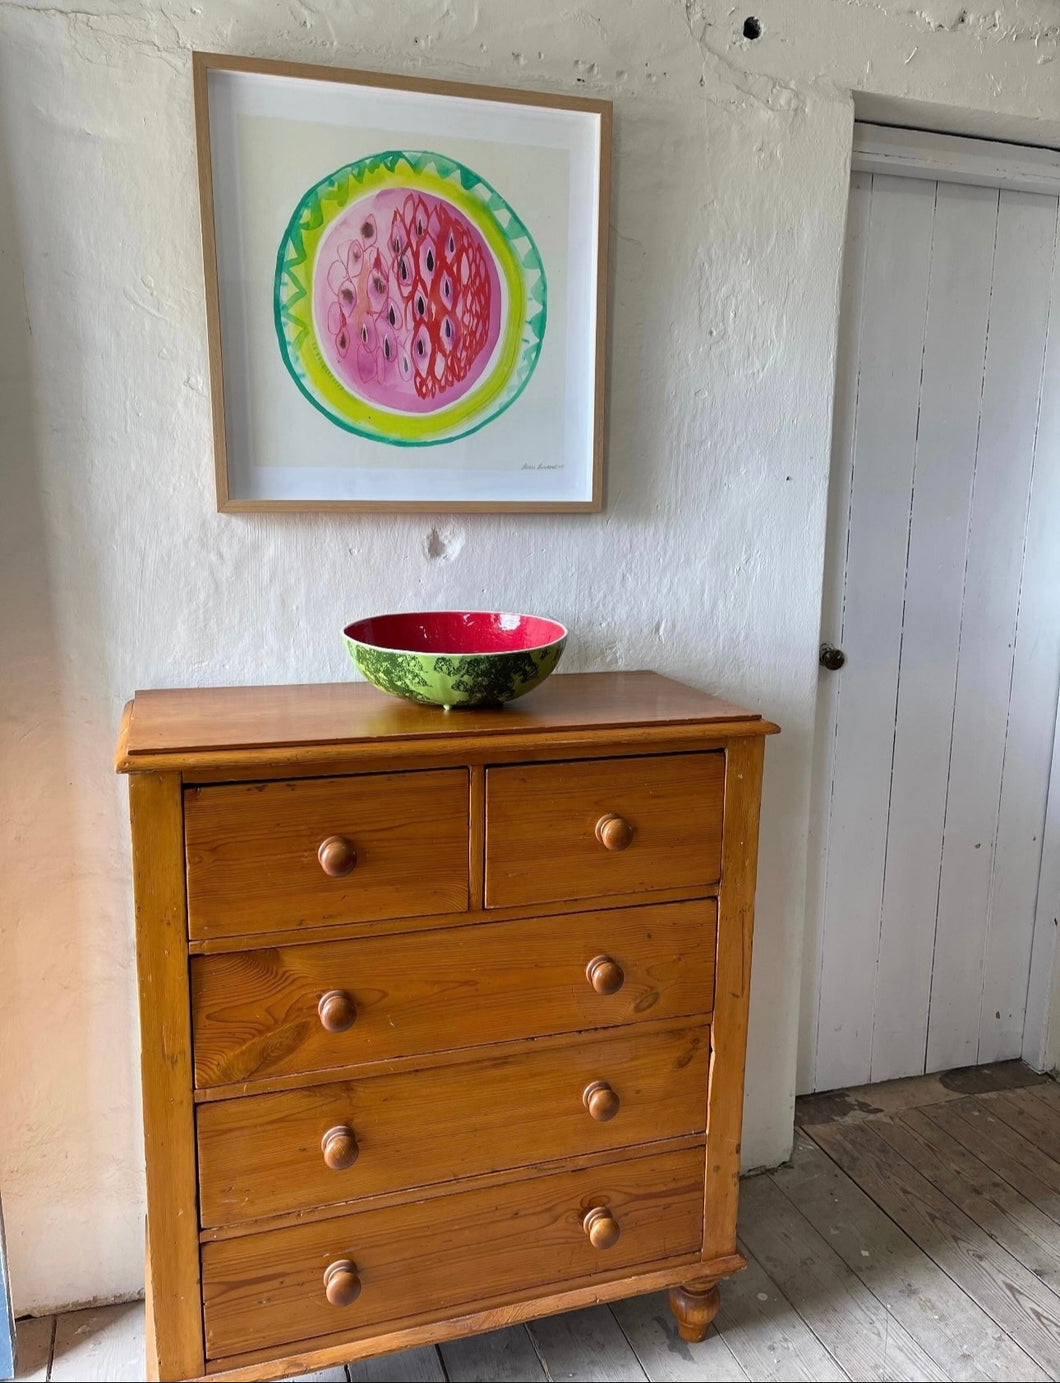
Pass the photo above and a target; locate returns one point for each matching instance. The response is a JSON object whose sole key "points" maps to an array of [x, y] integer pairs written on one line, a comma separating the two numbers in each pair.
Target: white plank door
{"points": [[942, 588]]}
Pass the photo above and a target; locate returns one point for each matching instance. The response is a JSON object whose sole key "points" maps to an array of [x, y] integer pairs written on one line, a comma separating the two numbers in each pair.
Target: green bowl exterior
{"points": [[476, 679]]}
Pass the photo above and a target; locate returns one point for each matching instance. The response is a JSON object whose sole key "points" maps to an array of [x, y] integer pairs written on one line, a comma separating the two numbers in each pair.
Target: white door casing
{"points": [[942, 587]]}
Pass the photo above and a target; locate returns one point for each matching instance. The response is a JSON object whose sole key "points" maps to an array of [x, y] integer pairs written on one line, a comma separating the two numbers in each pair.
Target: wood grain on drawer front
{"points": [[253, 862], [431, 1258], [255, 1013], [546, 831], [264, 1154]]}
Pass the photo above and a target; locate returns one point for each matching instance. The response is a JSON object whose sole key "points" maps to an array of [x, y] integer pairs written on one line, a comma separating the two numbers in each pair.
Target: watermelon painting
{"points": [[410, 300]]}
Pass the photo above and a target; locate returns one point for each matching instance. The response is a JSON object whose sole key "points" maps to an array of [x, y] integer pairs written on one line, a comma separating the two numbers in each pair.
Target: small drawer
{"points": [[291, 1009], [427, 1259], [264, 857], [293, 1150], [562, 831]]}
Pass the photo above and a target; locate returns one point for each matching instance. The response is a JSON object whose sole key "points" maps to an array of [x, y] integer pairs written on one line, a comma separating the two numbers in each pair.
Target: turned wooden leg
{"points": [[695, 1305]]}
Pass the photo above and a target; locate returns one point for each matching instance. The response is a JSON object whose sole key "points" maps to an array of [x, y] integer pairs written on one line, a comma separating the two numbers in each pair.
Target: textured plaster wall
{"points": [[731, 164]]}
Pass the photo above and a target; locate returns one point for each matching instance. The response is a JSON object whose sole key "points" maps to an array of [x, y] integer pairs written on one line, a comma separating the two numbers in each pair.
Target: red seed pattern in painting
{"points": [[414, 309]]}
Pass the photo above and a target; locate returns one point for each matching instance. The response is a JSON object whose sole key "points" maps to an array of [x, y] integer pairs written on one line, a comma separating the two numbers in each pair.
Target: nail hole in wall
{"points": [[752, 28]]}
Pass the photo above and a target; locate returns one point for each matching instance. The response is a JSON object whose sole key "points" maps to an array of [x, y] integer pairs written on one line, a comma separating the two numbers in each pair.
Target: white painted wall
{"points": [[731, 166]]}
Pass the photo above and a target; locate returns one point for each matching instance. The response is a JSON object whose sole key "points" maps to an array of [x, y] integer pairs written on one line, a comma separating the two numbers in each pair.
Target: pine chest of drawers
{"points": [[443, 1015]]}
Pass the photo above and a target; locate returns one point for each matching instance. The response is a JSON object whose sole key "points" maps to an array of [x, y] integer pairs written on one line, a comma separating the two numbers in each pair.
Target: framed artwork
{"points": [[405, 290]]}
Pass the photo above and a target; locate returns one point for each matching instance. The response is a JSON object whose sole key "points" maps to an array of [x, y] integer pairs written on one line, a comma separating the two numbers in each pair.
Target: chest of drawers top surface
{"points": [[228, 726]]}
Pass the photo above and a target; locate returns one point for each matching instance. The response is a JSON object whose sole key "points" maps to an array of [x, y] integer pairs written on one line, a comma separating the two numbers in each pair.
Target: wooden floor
{"points": [[915, 1234]]}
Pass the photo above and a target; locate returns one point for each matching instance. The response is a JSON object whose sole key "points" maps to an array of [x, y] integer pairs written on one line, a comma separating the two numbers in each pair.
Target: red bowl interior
{"points": [[456, 631]]}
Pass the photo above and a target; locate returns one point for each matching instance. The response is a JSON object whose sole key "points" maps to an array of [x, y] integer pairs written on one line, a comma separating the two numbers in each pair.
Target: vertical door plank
{"points": [[895, 301], [174, 1310], [954, 350], [848, 354], [1036, 1040], [1008, 417], [1032, 702]]}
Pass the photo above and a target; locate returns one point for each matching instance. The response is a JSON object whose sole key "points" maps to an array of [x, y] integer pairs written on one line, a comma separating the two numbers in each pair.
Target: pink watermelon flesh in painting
{"points": [[406, 300]]}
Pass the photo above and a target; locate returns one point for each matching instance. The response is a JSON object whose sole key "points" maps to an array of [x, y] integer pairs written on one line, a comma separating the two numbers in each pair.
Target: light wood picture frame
{"points": [[406, 286]]}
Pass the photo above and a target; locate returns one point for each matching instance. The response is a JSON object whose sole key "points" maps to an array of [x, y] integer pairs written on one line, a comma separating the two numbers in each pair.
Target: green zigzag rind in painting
{"points": [[292, 286]]}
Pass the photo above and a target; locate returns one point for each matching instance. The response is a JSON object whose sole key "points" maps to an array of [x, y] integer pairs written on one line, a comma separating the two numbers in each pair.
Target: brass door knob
{"points": [[337, 856], [339, 1146], [614, 832], [342, 1286], [601, 1227], [605, 975], [337, 1010], [601, 1101]]}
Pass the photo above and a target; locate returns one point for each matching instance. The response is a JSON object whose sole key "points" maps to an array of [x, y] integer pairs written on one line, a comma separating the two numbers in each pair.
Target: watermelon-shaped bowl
{"points": [[456, 657]]}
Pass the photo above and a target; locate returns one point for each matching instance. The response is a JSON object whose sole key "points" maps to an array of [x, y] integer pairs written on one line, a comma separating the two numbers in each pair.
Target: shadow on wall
{"points": [[56, 1025]]}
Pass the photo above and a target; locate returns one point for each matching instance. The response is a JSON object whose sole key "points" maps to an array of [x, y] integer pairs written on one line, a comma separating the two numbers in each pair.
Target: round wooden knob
{"points": [[337, 856], [342, 1286], [601, 1227], [339, 1146], [600, 1100], [614, 832], [337, 1010], [605, 975]]}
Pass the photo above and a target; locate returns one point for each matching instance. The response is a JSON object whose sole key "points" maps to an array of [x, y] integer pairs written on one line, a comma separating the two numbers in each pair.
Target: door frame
{"points": [[903, 152]]}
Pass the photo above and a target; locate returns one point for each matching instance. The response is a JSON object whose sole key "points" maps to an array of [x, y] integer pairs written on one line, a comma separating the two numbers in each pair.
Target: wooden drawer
{"points": [[546, 841], [265, 1154], [252, 851], [257, 1013], [427, 1259]]}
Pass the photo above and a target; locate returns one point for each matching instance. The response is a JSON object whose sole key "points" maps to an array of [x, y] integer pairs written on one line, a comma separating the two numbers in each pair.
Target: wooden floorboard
{"points": [[1030, 1117], [957, 1333], [1004, 1151], [501, 1356], [1048, 1091], [852, 1324], [768, 1338], [994, 1205], [912, 1092], [106, 1342], [1018, 1302], [915, 1234], [649, 1326], [421, 1365], [586, 1345]]}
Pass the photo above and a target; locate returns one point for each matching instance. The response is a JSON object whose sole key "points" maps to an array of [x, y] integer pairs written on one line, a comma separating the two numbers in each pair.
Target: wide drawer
{"points": [[431, 1258], [264, 857], [560, 831], [292, 1009], [293, 1150]]}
